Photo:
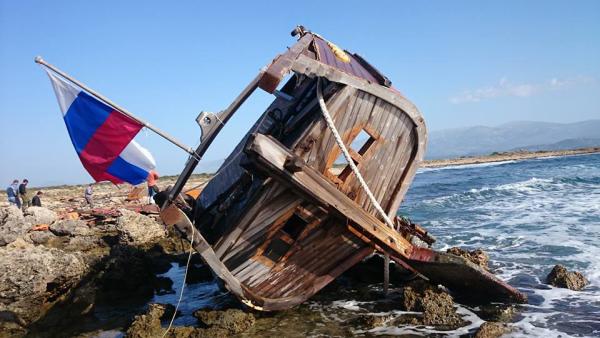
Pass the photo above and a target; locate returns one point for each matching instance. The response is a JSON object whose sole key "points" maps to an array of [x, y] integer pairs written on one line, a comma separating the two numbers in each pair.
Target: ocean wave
{"points": [[530, 186], [523, 187]]}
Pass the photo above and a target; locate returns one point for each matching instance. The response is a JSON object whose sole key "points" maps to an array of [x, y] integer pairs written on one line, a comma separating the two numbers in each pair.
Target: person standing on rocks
{"points": [[152, 187], [88, 194], [13, 194], [36, 201], [25, 200]]}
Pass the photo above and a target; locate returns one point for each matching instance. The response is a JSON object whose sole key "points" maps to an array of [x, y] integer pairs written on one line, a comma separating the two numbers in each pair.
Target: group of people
{"points": [[19, 196]]}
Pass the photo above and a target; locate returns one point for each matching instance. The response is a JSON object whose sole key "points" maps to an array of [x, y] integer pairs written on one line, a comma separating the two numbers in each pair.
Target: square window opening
{"points": [[294, 226], [276, 249]]}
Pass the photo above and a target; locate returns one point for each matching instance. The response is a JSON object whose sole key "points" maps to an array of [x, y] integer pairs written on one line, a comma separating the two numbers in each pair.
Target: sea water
{"points": [[528, 215]]}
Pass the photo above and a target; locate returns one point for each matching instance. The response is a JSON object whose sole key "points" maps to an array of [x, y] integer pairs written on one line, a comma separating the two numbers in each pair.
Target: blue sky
{"points": [[462, 63]]}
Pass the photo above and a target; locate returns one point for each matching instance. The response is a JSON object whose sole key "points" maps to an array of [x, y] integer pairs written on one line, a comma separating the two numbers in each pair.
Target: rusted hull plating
{"points": [[279, 221]]}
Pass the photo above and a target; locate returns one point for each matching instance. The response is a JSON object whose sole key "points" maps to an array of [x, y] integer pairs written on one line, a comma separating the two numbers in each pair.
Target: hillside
{"points": [[529, 135]]}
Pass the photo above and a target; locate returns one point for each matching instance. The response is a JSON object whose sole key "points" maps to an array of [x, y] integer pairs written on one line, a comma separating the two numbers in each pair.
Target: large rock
{"points": [[233, 320], [562, 278], [149, 325], [12, 225], [32, 278], [137, 229], [436, 304], [492, 330], [70, 227], [39, 215]]}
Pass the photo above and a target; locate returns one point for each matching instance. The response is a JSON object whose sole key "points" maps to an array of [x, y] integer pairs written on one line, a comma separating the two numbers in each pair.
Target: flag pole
{"points": [[100, 97]]}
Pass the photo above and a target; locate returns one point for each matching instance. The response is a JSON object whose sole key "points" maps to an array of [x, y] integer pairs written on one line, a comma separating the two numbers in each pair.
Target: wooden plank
{"points": [[271, 156]]}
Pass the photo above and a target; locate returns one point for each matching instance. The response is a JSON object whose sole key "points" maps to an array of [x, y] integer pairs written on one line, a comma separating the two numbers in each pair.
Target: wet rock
{"points": [[147, 324], [479, 257], [70, 228], [39, 215], [32, 278], [436, 304], [12, 225], [371, 321], [438, 309], [9, 328], [233, 320], [497, 312], [139, 230], [492, 330], [562, 278]]}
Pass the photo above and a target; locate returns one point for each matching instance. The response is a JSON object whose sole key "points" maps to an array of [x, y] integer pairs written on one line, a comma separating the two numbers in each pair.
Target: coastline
{"points": [[505, 156]]}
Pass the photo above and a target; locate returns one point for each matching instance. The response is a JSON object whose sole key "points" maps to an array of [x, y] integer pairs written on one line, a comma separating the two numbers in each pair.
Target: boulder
{"points": [[39, 215], [149, 325], [139, 230], [492, 330], [233, 320], [70, 228], [562, 278], [32, 278], [436, 304], [12, 224], [478, 256]]}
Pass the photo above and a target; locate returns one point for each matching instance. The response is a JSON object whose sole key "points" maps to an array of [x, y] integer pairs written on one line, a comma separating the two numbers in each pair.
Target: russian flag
{"points": [[102, 136]]}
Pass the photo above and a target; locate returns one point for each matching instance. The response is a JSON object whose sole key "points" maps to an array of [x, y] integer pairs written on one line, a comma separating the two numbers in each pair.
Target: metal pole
{"points": [[207, 139], [386, 274], [100, 97]]}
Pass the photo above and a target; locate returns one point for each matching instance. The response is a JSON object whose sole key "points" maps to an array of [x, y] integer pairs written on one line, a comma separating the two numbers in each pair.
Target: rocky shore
{"points": [[59, 264]]}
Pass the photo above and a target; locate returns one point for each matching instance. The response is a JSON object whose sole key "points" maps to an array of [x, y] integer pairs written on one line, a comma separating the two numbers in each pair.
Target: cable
{"points": [[187, 266]]}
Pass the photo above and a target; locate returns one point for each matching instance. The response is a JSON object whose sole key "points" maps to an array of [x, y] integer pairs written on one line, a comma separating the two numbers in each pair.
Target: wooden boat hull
{"points": [[279, 221]]}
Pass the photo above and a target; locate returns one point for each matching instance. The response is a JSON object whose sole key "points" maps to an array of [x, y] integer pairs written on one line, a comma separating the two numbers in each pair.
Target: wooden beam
{"points": [[271, 156]]}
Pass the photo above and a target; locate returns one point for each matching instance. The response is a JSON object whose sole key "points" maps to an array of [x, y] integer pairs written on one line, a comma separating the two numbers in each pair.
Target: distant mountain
{"points": [[480, 140], [572, 143]]}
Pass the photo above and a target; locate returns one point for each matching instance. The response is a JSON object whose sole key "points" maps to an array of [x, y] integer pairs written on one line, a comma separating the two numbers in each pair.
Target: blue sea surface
{"points": [[528, 215]]}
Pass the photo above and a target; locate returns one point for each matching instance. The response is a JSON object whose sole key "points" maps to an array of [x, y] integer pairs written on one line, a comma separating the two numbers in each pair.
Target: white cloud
{"points": [[506, 88]]}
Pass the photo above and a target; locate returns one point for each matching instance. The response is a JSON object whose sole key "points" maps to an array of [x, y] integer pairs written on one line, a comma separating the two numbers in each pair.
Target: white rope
{"points": [[340, 143], [187, 266]]}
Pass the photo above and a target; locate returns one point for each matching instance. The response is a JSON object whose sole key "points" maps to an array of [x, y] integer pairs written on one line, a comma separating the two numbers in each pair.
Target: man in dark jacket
{"points": [[36, 201], [25, 200]]}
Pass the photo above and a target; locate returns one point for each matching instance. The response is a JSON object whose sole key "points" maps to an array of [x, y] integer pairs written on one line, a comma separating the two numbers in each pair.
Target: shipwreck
{"points": [[314, 186]]}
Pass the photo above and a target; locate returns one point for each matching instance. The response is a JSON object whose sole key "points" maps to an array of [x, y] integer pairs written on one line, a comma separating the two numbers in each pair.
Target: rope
{"points": [[187, 266], [340, 144]]}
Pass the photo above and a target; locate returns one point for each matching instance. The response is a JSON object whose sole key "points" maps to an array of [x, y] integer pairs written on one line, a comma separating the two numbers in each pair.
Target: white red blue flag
{"points": [[102, 136]]}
